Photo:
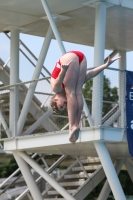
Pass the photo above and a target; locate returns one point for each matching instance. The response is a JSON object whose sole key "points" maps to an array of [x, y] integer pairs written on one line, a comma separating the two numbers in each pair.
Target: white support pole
{"points": [[129, 168], [14, 173], [46, 176], [113, 118], [130, 161], [87, 113], [45, 163], [14, 78], [4, 124], [6, 62], [111, 55], [38, 122], [122, 89], [60, 43], [67, 125], [38, 179], [53, 25], [30, 197], [100, 24], [57, 35], [109, 171], [32, 87], [106, 188], [36, 194], [99, 45], [86, 109]]}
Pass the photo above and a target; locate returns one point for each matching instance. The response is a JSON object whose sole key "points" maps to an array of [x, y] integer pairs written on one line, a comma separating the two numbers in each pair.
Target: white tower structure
{"points": [[104, 24]]}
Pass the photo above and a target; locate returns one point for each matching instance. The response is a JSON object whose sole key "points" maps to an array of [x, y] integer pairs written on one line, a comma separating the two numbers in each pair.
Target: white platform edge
{"points": [[100, 133]]}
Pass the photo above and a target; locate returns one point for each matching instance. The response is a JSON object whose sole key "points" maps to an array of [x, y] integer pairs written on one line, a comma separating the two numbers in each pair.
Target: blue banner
{"points": [[129, 110]]}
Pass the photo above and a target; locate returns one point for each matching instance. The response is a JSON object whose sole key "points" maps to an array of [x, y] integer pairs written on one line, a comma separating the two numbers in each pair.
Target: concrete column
{"points": [[14, 78]]}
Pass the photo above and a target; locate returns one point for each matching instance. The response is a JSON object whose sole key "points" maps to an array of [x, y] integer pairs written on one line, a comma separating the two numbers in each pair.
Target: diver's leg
{"points": [[80, 82], [70, 82]]}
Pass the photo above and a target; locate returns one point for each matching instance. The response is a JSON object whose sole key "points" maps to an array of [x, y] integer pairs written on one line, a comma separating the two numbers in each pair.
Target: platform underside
{"points": [[57, 142], [76, 21]]}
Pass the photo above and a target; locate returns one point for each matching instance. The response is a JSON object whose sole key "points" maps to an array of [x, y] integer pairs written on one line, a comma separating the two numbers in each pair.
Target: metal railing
{"points": [[20, 42]]}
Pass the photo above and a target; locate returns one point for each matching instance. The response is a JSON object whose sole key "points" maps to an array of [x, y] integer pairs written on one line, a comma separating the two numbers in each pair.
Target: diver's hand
{"points": [[110, 61], [66, 66]]}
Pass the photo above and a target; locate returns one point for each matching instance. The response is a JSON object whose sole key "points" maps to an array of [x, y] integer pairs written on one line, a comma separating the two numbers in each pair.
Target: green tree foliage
{"points": [[126, 184], [109, 94], [60, 121], [6, 169]]}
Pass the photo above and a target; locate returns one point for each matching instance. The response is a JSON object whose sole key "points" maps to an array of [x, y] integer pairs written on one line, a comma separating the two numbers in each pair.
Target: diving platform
{"points": [[57, 142]]}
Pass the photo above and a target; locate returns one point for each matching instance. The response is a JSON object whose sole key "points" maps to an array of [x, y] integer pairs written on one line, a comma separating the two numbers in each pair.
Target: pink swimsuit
{"points": [[57, 67]]}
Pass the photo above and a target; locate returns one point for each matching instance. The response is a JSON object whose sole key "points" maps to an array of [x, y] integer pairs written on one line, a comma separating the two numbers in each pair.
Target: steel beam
{"points": [[109, 171], [38, 122], [122, 89], [53, 25], [130, 161], [129, 168], [99, 45], [46, 176], [29, 196], [32, 87], [14, 78], [86, 109], [36, 194], [4, 124], [14, 173], [100, 24], [106, 188], [57, 35], [87, 113], [56, 164], [113, 118]]}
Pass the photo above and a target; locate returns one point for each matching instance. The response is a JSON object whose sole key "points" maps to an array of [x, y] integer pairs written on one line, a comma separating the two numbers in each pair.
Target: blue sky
{"points": [[35, 43]]}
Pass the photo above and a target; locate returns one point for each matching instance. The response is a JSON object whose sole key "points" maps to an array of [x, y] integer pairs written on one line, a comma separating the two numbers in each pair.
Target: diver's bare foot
{"points": [[72, 132], [76, 134]]}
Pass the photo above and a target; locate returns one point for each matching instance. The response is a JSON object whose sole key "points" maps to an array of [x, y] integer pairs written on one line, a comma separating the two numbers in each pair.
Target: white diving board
{"points": [[57, 142]]}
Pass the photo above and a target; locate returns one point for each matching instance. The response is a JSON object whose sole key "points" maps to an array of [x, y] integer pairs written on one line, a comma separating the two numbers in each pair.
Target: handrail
{"points": [[29, 52], [110, 68], [22, 83], [109, 114], [10, 184]]}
